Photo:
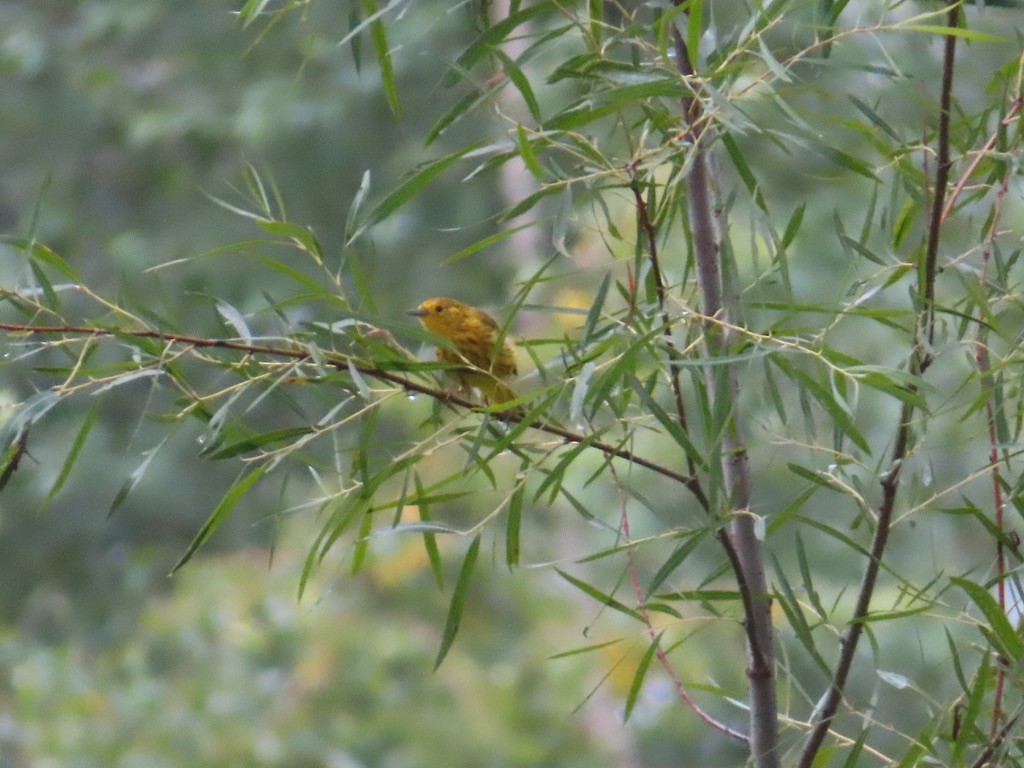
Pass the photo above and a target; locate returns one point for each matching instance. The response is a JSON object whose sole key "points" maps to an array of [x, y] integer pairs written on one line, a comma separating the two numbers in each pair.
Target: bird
{"points": [[483, 364]]}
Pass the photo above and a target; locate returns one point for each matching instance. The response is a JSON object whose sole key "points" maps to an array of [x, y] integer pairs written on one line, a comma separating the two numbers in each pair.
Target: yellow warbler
{"points": [[474, 334]]}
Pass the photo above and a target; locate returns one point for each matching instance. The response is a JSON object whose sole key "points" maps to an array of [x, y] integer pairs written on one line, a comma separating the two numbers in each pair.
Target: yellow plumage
{"points": [[474, 333]]}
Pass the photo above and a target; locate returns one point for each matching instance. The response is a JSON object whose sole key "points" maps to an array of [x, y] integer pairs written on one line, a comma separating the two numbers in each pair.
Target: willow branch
{"points": [[647, 227], [344, 363], [941, 181], [920, 360], [745, 547], [890, 484]]}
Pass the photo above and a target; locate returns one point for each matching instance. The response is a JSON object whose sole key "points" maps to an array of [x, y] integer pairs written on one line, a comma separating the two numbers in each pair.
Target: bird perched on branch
{"points": [[483, 363]]}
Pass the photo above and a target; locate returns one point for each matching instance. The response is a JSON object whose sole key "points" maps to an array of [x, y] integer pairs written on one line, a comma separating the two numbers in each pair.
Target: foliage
{"points": [[789, 399]]}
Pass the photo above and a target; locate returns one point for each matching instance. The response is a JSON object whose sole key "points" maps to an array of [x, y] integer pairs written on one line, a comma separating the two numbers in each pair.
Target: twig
{"points": [[342, 364], [966, 175], [659, 652], [647, 226], [920, 360], [997, 742], [890, 484], [988, 386]]}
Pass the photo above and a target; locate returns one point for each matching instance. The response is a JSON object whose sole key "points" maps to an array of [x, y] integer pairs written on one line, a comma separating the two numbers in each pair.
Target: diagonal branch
{"points": [[343, 363], [920, 360]]}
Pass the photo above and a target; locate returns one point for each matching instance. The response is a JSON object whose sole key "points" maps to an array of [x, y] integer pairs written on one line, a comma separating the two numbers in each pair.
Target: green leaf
{"points": [[676, 559], [429, 539], [670, 423], [527, 154], [76, 449], [874, 117], [743, 169], [818, 478], [853, 758], [227, 503], [793, 226], [515, 518], [521, 82], [458, 604], [46, 286], [135, 477], [598, 595], [491, 38], [460, 109], [638, 677], [840, 416], [409, 189], [249, 12], [966, 34], [999, 630], [584, 649], [46, 255], [695, 10], [864, 251], [362, 543], [843, 160], [12, 455], [255, 442], [378, 32], [899, 384], [303, 237], [797, 620]]}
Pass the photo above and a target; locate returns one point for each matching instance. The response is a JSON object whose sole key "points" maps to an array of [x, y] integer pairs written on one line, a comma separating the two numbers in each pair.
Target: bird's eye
{"points": [[439, 309]]}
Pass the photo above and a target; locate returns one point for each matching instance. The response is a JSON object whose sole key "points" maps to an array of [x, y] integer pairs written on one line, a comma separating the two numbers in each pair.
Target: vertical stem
{"points": [[920, 359], [749, 561], [941, 180]]}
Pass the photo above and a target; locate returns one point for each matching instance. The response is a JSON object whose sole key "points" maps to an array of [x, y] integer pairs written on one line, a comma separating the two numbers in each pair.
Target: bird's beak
{"points": [[417, 312]]}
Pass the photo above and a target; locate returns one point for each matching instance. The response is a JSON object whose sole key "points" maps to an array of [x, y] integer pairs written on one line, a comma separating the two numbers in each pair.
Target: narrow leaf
{"points": [[76, 449], [598, 595], [429, 539], [231, 498], [409, 188], [451, 626], [638, 678]]}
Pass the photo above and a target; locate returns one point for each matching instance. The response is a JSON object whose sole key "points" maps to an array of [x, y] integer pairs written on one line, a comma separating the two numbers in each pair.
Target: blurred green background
{"points": [[121, 121]]}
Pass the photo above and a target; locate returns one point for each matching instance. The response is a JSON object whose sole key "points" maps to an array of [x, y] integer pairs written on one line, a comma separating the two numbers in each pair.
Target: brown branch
{"points": [[647, 226], [982, 153], [941, 181], [342, 364], [920, 360], [997, 742], [890, 484], [988, 386]]}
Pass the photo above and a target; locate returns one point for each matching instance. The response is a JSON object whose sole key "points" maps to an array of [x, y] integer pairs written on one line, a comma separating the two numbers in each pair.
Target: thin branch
{"points": [[890, 484], [920, 360], [342, 363], [988, 386], [647, 227], [997, 742], [655, 638], [941, 181], [981, 155]]}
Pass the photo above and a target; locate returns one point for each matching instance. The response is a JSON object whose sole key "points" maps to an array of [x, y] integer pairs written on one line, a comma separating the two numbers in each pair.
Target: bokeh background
{"points": [[124, 122]]}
